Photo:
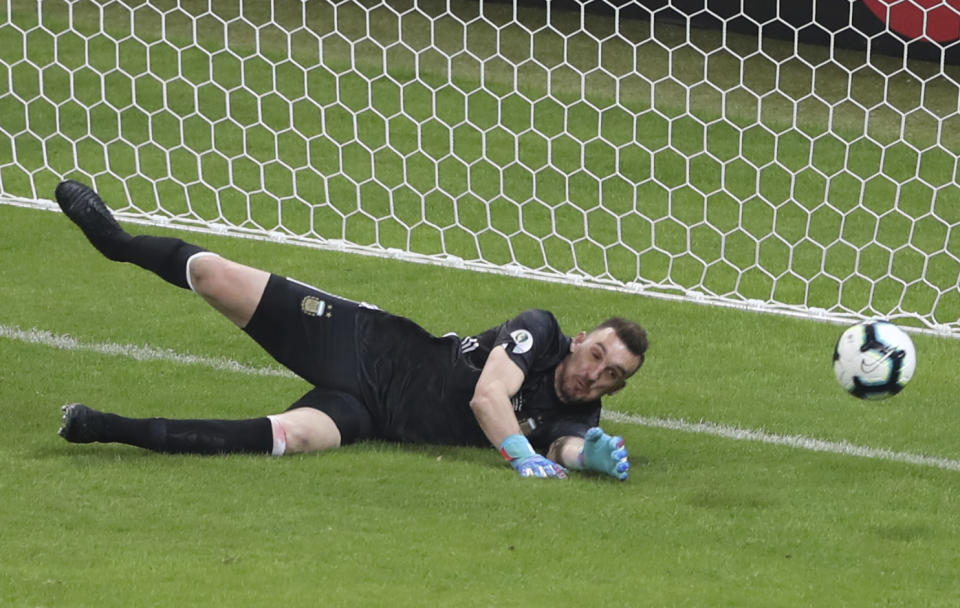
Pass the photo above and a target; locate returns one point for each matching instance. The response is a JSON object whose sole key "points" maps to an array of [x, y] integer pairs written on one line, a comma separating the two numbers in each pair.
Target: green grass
{"points": [[702, 521], [496, 143]]}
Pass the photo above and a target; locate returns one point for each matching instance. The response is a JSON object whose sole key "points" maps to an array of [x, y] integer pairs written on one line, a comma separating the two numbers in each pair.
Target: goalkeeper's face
{"points": [[599, 364]]}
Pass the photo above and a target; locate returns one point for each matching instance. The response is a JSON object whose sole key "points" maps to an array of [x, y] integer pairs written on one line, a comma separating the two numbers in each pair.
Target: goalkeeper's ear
{"points": [[577, 341]]}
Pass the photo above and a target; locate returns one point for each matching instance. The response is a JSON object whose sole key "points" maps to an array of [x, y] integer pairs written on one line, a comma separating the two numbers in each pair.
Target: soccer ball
{"points": [[874, 359]]}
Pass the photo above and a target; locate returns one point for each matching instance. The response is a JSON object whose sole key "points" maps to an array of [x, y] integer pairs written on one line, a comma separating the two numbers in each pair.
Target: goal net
{"points": [[692, 150]]}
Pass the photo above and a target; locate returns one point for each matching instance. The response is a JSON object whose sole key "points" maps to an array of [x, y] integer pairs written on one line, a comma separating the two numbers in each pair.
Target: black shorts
{"points": [[347, 411], [313, 334]]}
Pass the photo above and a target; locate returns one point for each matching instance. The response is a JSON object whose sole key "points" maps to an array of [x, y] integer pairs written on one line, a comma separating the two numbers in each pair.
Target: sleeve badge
{"points": [[522, 341]]}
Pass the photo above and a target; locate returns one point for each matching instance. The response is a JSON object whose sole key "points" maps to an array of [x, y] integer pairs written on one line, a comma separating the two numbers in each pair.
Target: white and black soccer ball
{"points": [[874, 359]]}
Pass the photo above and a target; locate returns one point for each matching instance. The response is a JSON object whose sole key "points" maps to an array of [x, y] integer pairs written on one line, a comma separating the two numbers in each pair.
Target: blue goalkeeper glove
{"points": [[604, 454], [519, 453]]}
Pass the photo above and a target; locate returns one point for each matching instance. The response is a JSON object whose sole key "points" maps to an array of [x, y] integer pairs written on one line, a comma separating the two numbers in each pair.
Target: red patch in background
{"points": [[933, 20]]}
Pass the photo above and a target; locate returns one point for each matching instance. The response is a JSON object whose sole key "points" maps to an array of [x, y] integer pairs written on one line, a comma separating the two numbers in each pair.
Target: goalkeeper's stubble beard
{"points": [[565, 384]]}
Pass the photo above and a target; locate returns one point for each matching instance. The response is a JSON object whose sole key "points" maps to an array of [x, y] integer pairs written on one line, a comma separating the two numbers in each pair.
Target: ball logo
{"points": [[522, 341], [931, 20]]}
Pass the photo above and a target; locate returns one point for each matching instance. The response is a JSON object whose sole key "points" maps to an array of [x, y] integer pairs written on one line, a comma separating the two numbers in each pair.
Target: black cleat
{"points": [[87, 210], [80, 424]]}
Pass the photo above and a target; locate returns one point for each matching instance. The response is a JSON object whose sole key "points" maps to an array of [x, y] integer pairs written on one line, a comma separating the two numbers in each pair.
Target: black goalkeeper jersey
{"points": [[418, 386]]}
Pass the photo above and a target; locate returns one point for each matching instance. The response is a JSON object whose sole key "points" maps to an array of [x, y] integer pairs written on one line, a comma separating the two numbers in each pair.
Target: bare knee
{"points": [[233, 289], [208, 273], [308, 430]]}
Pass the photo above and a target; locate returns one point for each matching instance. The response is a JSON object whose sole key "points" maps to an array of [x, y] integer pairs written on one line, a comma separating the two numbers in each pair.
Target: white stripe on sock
{"points": [[279, 436]]}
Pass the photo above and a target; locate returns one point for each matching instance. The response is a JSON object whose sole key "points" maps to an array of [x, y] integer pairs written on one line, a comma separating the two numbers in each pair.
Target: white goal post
{"points": [[799, 160]]}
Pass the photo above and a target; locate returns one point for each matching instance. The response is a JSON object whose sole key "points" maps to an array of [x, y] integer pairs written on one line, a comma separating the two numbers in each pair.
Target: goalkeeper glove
{"points": [[604, 454], [519, 453]]}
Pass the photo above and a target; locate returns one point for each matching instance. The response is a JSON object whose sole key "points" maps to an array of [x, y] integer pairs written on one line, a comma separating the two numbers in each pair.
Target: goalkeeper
{"points": [[522, 386]]}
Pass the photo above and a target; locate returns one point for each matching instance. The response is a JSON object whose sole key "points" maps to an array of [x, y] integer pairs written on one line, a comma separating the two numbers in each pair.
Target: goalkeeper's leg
{"points": [[231, 288], [294, 431]]}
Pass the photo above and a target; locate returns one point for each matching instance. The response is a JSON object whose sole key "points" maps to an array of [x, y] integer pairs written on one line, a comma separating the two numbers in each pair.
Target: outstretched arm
{"points": [[500, 380]]}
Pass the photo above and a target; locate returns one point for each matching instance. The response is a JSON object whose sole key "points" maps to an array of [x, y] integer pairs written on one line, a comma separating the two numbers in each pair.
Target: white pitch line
{"points": [[149, 353], [140, 353], [794, 441]]}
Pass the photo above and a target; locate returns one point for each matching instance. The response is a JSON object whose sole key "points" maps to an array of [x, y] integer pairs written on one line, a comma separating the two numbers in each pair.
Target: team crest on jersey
{"points": [[522, 341], [314, 307]]}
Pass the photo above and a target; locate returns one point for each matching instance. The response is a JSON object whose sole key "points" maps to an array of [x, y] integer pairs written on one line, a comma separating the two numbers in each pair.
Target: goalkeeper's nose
{"points": [[592, 374]]}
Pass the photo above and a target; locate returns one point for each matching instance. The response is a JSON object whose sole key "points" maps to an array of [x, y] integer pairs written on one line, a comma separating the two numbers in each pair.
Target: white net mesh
{"points": [[625, 153]]}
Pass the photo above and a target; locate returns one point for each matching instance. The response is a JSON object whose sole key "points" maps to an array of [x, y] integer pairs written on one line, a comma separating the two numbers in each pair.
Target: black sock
{"points": [[190, 436], [165, 256]]}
